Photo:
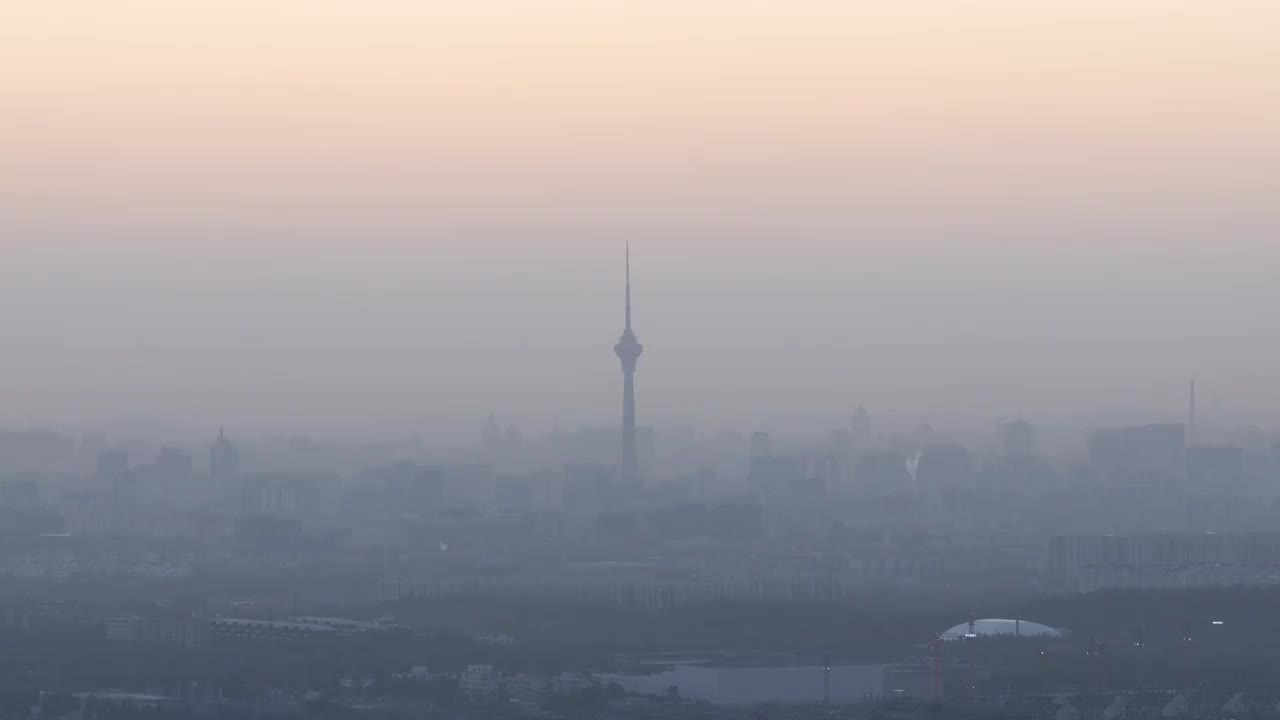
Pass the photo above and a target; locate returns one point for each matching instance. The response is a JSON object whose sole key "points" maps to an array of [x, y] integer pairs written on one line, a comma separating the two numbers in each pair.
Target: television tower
{"points": [[628, 351]]}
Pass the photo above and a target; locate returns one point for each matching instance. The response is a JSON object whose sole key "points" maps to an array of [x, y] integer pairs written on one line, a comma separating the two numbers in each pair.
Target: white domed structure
{"points": [[995, 627]]}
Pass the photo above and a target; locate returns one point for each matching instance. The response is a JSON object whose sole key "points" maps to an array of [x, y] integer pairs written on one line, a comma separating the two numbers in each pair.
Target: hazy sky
{"points": [[282, 211]]}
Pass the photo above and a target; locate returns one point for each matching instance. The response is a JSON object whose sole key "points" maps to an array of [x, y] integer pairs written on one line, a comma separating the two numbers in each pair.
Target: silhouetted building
{"points": [[776, 475], [121, 485], [588, 488], [828, 471], [726, 522], [90, 446], [599, 445], [267, 535], [539, 491], [111, 465], [29, 521], [87, 512], [491, 441], [224, 460], [168, 478], [500, 448], [861, 427], [761, 446], [1170, 560], [289, 494], [793, 480], [1215, 468], [176, 462], [467, 485], [20, 492], [35, 450], [405, 487], [1139, 454], [1019, 438], [945, 465], [882, 470]]}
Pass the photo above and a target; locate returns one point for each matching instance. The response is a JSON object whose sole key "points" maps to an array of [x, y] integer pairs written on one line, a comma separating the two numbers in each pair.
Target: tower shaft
{"points": [[630, 463]]}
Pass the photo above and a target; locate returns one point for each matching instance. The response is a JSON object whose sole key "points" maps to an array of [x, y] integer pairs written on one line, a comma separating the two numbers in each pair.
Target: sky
{"points": [[293, 212]]}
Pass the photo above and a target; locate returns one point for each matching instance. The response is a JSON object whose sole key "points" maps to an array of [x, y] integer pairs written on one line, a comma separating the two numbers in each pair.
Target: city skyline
{"points": [[290, 343]]}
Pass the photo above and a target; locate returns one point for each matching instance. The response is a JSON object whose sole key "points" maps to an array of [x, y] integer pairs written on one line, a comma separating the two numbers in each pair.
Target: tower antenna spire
{"points": [[628, 255]]}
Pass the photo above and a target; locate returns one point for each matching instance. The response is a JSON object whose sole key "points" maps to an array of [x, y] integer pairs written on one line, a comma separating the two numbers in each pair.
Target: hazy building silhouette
{"points": [[588, 489], [828, 471], [121, 485], [285, 494], [1215, 468], [35, 450], [224, 460], [20, 492], [88, 512], [491, 441], [761, 445], [945, 465], [111, 465], [1019, 438], [1164, 560], [861, 427], [168, 478], [404, 487], [500, 448], [91, 445], [882, 470], [175, 461], [1141, 453], [628, 351], [776, 475]]}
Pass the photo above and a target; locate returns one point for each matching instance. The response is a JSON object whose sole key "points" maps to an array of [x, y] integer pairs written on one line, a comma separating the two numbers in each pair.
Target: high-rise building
{"points": [[628, 351], [760, 445], [112, 464], [167, 480], [1145, 453], [224, 460], [1019, 438], [882, 470], [945, 466], [776, 474], [1215, 468], [491, 441], [35, 450], [861, 427], [121, 485]]}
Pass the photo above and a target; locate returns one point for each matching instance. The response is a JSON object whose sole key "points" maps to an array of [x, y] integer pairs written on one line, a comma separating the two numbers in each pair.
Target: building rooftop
{"points": [[991, 627]]}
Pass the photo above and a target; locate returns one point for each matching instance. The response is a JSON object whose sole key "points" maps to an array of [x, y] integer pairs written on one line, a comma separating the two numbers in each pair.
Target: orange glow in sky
{"points": [[150, 115]]}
